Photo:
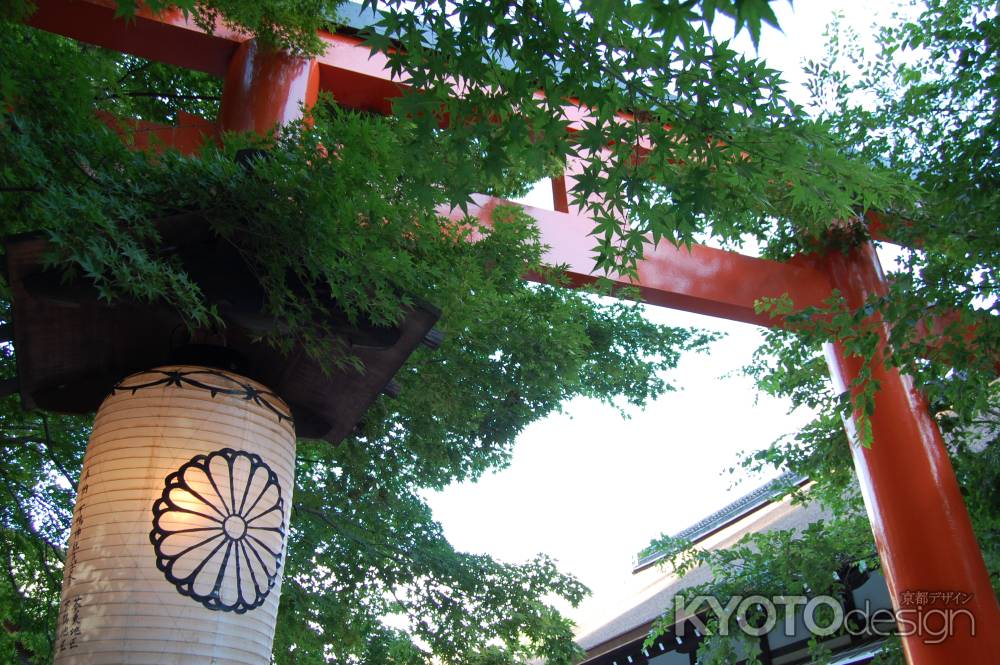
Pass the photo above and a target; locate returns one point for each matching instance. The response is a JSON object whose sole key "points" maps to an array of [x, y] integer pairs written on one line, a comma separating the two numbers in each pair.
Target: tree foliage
{"points": [[724, 152], [924, 103], [360, 219]]}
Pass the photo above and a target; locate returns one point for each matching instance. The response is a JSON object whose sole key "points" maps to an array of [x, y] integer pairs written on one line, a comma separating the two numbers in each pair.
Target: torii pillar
{"points": [[922, 528]]}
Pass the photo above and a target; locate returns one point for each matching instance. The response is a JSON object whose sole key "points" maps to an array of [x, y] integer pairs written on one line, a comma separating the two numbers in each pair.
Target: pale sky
{"points": [[591, 489]]}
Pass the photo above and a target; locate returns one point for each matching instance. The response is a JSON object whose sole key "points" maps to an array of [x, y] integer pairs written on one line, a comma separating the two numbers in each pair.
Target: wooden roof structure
{"points": [[73, 347]]}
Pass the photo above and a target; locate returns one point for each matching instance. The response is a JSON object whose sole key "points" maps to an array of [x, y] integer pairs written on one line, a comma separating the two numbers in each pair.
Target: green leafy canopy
{"points": [[357, 216], [924, 103], [726, 155]]}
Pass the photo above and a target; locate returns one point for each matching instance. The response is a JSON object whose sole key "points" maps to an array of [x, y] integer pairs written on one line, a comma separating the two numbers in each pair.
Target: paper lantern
{"points": [[179, 531]]}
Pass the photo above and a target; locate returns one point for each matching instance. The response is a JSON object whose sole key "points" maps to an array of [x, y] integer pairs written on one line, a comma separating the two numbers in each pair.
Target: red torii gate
{"points": [[921, 525]]}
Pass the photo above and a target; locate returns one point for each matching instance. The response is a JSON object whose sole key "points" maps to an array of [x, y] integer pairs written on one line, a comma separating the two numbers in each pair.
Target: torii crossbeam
{"points": [[921, 525]]}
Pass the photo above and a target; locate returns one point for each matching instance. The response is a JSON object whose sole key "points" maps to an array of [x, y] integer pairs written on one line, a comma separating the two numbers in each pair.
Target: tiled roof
{"points": [[736, 510]]}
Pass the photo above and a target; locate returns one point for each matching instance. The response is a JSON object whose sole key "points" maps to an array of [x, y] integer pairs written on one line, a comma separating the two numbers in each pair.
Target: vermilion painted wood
{"points": [[168, 37], [356, 78], [703, 280], [264, 90], [187, 136], [921, 525]]}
